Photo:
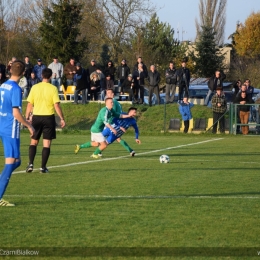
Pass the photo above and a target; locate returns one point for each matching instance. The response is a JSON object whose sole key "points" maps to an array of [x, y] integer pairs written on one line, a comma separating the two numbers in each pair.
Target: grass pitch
{"points": [[204, 203]]}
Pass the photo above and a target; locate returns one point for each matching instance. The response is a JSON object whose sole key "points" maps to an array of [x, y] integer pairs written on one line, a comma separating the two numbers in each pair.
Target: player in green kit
{"points": [[104, 118]]}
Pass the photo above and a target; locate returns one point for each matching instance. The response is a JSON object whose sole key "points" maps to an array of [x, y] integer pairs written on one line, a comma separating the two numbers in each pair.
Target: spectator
{"points": [[219, 107], [183, 79], [140, 61], [93, 67], [57, 72], [94, 85], [81, 84], [237, 86], [43, 119], [23, 84], [244, 110], [128, 87], [122, 72], [2, 73], [139, 76], [28, 67], [185, 111], [32, 81], [216, 80], [110, 70], [8, 69], [171, 79], [154, 80], [38, 68], [109, 84], [250, 92], [70, 71]]}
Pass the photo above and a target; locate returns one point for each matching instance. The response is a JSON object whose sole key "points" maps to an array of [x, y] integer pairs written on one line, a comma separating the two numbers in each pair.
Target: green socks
{"points": [[126, 146], [86, 145], [97, 151]]}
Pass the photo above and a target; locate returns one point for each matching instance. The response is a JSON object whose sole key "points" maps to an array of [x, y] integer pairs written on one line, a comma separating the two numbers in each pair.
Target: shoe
{"points": [[100, 154], [29, 168], [132, 153], [77, 148], [44, 170], [96, 156], [5, 203]]}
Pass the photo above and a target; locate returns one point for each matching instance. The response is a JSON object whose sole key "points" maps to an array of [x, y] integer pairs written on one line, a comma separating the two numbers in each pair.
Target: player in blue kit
{"points": [[10, 116], [121, 125]]}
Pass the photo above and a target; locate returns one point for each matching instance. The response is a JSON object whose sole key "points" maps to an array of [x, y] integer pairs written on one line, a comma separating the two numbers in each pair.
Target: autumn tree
{"points": [[212, 13], [246, 38]]}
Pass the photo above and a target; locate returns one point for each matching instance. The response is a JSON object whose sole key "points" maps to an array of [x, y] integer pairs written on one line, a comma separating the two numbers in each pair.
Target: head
{"points": [[110, 63], [247, 82], [14, 59], [244, 87], [171, 65], [39, 61], [184, 62], [78, 65], [185, 99], [243, 94], [123, 62], [130, 77], [72, 61], [108, 77], [109, 102], [109, 93], [92, 62], [55, 59], [219, 90], [132, 111], [152, 68], [26, 59], [217, 74], [238, 83], [32, 75], [18, 68], [140, 66], [139, 60], [46, 73]]}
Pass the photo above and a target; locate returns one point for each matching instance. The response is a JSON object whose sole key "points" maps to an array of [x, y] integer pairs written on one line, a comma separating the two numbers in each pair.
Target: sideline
{"points": [[125, 156]]}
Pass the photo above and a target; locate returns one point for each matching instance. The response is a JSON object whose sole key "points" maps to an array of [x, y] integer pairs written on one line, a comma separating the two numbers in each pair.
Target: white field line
{"points": [[148, 197], [125, 156]]}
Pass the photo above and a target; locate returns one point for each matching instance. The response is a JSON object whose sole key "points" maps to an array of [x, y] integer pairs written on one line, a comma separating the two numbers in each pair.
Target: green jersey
{"points": [[104, 117]]}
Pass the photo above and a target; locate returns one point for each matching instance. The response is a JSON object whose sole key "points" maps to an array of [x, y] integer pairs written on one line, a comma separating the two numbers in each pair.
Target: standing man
{"points": [[154, 80], [171, 79], [183, 79], [57, 72], [43, 119], [122, 72], [10, 116], [28, 67], [70, 71], [139, 75], [219, 107], [38, 68], [216, 80], [140, 61], [249, 93], [104, 118]]}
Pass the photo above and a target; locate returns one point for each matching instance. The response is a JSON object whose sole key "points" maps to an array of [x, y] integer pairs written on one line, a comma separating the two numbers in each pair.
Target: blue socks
{"points": [[6, 175]]}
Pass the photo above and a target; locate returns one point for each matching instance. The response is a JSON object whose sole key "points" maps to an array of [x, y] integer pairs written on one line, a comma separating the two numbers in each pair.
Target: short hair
{"points": [[26, 56], [46, 73], [132, 108], [107, 98], [18, 68], [110, 89]]}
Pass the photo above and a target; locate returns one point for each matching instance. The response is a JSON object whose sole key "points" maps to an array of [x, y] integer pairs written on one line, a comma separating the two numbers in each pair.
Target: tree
{"points": [[246, 38], [207, 55], [212, 13], [60, 33]]}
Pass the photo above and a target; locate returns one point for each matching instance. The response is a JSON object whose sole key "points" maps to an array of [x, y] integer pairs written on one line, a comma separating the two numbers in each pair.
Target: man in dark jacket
{"points": [[216, 80], [171, 79], [219, 107], [122, 72], [183, 80], [139, 76], [140, 61], [82, 83], [28, 67], [128, 87], [154, 80]]}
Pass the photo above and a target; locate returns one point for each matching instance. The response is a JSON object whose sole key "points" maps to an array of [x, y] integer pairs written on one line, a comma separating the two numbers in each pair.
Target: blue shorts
{"points": [[11, 147], [110, 137]]}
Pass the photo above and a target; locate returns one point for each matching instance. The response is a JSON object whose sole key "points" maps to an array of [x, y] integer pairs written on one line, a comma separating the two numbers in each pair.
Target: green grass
{"points": [[207, 196]]}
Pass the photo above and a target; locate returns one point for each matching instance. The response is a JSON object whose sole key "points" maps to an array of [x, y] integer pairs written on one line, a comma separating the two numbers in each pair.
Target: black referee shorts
{"points": [[45, 125]]}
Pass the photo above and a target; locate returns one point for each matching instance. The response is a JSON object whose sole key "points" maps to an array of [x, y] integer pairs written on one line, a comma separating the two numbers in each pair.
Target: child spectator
{"points": [[32, 81], [185, 111]]}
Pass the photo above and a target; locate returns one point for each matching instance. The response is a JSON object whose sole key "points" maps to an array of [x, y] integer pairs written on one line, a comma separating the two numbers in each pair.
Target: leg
{"points": [[76, 96], [207, 97], [222, 124], [141, 94], [181, 92], [167, 93], [173, 89], [186, 126], [136, 94], [246, 118], [156, 91], [151, 89]]}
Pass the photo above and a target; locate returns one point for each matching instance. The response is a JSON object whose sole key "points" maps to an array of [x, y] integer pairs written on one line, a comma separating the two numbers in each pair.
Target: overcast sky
{"points": [[182, 14]]}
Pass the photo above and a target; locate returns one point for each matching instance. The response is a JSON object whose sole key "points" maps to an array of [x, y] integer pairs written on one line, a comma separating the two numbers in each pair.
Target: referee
{"points": [[42, 101]]}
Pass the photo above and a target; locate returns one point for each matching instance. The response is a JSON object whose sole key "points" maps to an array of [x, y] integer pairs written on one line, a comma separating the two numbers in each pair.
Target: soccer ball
{"points": [[164, 159]]}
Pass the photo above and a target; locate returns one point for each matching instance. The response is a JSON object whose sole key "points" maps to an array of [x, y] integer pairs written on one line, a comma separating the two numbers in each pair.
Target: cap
{"points": [[93, 60], [130, 75], [219, 88], [184, 60], [55, 57], [78, 64], [39, 60]]}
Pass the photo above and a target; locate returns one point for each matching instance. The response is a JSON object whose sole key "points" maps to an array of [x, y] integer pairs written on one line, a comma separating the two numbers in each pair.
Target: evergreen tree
{"points": [[207, 55], [60, 33]]}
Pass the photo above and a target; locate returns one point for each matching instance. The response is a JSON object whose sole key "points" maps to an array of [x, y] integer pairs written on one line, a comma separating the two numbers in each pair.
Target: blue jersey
{"points": [[116, 124], [10, 97]]}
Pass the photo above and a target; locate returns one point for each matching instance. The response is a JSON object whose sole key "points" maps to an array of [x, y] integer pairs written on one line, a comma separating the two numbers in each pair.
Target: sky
{"points": [[181, 14]]}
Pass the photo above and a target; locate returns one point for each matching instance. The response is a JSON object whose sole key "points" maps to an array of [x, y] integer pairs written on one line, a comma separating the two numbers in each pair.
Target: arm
{"points": [[29, 110], [19, 117], [60, 114], [136, 133]]}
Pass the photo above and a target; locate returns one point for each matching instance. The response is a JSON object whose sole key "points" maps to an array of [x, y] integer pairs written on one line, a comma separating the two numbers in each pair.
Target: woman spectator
{"points": [[110, 70], [94, 85]]}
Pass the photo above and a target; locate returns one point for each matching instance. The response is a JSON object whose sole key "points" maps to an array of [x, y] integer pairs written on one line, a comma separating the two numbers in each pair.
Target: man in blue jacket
{"points": [[184, 108]]}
